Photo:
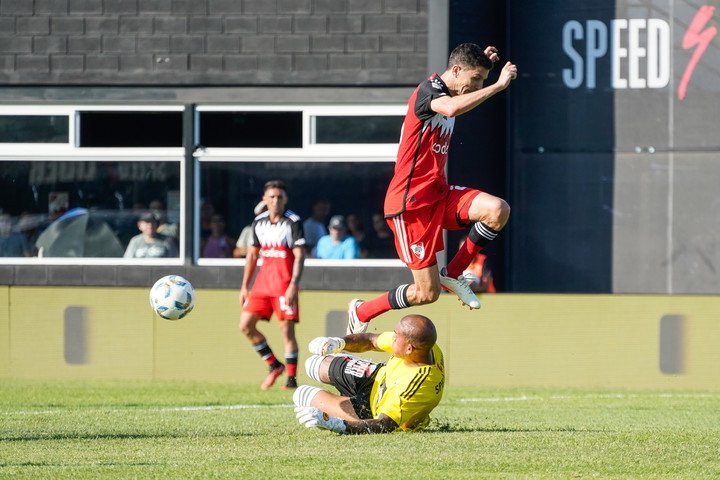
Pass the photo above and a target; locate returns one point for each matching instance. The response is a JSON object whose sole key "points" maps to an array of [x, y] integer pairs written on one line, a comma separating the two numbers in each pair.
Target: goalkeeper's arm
{"points": [[382, 424], [361, 342]]}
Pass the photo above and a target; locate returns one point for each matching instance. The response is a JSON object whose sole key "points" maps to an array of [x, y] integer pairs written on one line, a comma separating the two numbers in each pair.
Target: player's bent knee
{"points": [[304, 395], [312, 366]]}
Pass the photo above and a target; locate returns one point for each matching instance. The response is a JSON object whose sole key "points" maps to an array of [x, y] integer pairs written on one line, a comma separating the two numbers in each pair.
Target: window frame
{"points": [[309, 152], [72, 152]]}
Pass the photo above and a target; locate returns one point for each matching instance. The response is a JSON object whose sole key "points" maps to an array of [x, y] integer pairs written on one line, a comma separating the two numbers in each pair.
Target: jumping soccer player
{"points": [[419, 203], [278, 234]]}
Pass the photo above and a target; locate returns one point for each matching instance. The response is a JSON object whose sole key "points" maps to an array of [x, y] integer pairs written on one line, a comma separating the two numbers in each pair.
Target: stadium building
{"points": [[603, 147]]}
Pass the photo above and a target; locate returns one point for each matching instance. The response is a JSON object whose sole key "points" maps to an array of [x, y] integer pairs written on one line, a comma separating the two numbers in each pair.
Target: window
{"points": [[251, 129], [342, 156], [34, 129], [82, 208], [63, 201], [357, 129], [130, 129]]}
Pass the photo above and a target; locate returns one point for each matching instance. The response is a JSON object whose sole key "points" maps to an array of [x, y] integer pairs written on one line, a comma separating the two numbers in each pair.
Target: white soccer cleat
{"points": [[354, 323], [460, 288]]}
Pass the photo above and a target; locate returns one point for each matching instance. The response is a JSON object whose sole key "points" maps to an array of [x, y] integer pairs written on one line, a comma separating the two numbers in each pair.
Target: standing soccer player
{"points": [[278, 234], [419, 203]]}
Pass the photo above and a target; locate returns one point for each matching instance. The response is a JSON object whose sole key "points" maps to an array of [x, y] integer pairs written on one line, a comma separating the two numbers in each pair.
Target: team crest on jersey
{"points": [[436, 83], [418, 249]]}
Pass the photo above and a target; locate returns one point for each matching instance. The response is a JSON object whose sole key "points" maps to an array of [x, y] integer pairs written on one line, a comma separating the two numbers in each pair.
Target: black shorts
{"points": [[354, 378]]}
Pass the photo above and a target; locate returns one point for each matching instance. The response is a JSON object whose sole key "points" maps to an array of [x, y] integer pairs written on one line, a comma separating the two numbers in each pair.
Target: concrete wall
{"points": [[235, 42], [658, 342]]}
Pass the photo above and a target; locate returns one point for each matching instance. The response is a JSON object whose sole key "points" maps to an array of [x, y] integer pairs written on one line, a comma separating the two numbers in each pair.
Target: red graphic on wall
{"points": [[696, 37]]}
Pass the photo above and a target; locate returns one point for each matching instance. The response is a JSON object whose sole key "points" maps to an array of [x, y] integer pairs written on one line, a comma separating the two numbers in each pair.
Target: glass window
{"points": [[34, 129], [358, 129], [251, 129], [88, 208], [232, 190], [131, 129]]}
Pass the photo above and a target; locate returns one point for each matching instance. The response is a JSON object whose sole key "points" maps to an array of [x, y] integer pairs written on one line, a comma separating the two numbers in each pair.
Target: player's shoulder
{"points": [[292, 216], [435, 84], [264, 215]]}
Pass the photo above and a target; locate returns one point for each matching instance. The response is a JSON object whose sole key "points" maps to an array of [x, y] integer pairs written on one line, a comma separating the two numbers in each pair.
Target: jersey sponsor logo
{"points": [[418, 250], [274, 253], [359, 368], [438, 148], [446, 125]]}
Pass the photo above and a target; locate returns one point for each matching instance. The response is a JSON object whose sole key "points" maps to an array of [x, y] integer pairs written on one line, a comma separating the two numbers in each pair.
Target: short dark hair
{"points": [[275, 184], [469, 55]]}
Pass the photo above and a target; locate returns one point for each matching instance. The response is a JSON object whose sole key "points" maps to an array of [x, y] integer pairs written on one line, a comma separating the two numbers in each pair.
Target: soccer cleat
{"points": [[354, 323], [272, 376], [291, 384], [460, 288]]}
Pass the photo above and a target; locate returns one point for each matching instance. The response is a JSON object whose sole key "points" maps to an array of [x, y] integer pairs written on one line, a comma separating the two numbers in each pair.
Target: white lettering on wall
{"points": [[639, 52]]}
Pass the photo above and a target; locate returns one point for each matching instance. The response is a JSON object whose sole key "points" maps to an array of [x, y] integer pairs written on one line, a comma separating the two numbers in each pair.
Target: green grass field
{"points": [[175, 430]]}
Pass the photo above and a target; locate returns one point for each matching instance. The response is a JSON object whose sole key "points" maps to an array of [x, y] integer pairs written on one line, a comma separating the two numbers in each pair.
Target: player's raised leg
{"points": [[487, 214], [424, 289]]}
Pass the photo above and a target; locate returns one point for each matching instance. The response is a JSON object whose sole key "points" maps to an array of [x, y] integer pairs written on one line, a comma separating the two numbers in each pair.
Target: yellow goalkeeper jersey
{"points": [[407, 394]]}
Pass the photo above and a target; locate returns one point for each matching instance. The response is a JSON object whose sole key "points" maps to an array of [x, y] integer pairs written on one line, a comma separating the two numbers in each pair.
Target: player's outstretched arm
{"points": [[312, 417], [359, 342]]}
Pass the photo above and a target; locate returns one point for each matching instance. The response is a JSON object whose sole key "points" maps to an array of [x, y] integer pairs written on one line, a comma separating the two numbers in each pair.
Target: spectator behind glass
{"points": [[478, 274], [381, 243], [164, 227], [357, 230], [338, 244], [206, 212], [12, 244], [218, 244], [149, 243], [314, 227], [245, 240]]}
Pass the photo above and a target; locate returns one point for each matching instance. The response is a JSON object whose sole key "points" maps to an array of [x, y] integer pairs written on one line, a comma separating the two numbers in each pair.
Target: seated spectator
{"points": [[218, 244], [357, 230], [12, 244], [164, 226], [381, 243], [314, 227], [245, 240], [337, 244], [150, 243], [206, 212]]}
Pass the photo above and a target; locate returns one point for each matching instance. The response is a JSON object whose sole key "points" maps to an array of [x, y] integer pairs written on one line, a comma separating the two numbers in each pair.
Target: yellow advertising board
{"points": [[616, 341]]}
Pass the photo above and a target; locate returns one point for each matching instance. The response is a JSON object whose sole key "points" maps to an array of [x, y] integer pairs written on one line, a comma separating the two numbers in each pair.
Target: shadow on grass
{"points": [[448, 428], [113, 436]]}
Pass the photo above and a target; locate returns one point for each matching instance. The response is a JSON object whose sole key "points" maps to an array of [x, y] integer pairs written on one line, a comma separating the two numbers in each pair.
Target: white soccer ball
{"points": [[172, 297]]}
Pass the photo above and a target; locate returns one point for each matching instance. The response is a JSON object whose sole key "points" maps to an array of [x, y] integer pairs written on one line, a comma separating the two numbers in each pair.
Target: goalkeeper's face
{"points": [[400, 345]]}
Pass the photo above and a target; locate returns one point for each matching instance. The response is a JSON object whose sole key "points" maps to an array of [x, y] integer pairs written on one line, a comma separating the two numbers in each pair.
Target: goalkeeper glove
{"points": [[326, 345], [313, 417]]}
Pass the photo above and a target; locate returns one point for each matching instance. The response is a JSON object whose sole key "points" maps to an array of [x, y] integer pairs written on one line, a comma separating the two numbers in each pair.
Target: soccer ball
{"points": [[172, 297]]}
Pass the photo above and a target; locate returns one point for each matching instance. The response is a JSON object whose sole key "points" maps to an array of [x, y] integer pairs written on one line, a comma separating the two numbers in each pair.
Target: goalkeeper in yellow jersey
{"points": [[374, 397]]}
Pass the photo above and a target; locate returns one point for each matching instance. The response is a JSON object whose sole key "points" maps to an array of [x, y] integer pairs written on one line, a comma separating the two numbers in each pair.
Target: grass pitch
{"points": [[176, 430]]}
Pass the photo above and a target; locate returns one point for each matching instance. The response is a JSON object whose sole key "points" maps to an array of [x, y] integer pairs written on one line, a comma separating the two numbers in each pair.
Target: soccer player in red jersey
{"points": [[419, 203], [278, 235]]}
